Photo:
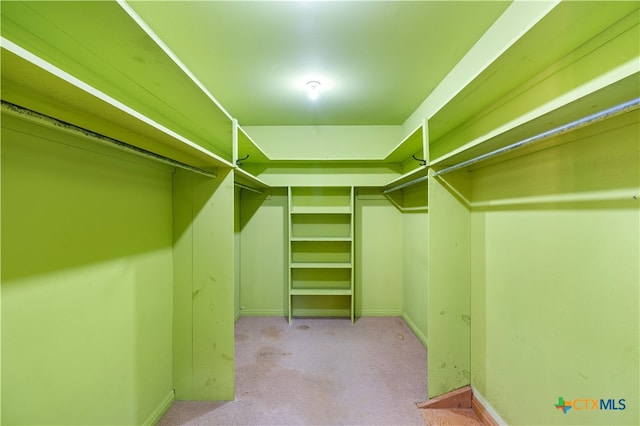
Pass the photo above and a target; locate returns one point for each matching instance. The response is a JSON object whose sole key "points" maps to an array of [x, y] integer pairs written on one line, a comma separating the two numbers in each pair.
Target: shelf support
{"points": [[420, 160], [239, 160]]}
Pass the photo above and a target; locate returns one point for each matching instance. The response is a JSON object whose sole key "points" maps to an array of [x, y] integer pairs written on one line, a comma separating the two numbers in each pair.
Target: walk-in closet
{"points": [[461, 178]]}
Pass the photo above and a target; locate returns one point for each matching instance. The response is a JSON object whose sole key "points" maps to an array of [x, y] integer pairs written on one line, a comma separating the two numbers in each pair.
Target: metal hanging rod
{"points": [[123, 146], [573, 125], [248, 188], [406, 184]]}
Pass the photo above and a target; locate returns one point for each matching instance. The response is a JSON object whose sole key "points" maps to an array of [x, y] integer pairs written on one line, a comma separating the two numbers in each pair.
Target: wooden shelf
{"points": [[321, 210], [247, 146], [528, 90], [321, 249], [412, 156], [320, 292], [320, 265], [606, 97], [408, 177], [248, 180], [167, 103], [32, 83], [411, 145], [325, 239]]}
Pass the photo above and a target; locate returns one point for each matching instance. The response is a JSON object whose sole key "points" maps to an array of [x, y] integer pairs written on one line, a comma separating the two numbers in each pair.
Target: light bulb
{"points": [[313, 88]]}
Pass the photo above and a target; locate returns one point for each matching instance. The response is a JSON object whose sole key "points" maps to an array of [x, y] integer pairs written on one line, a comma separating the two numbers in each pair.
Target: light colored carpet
{"points": [[319, 372]]}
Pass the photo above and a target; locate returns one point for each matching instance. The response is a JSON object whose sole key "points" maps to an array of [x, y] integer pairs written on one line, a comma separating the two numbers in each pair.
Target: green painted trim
{"points": [[379, 313], [236, 317], [415, 329], [162, 408], [321, 313], [263, 313]]}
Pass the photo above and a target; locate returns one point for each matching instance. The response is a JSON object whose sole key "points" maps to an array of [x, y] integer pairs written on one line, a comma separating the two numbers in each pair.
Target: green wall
{"points": [[203, 286], [263, 257], [378, 239], [236, 253], [415, 260], [448, 292], [378, 247], [555, 279], [326, 142], [86, 281]]}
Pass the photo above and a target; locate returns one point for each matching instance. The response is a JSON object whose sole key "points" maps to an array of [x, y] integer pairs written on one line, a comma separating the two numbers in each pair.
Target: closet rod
{"points": [[573, 125], [105, 140], [248, 188], [404, 185]]}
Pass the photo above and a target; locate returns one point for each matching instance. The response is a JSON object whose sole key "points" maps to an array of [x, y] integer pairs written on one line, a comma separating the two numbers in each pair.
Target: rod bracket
{"points": [[421, 161], [238, 161]]}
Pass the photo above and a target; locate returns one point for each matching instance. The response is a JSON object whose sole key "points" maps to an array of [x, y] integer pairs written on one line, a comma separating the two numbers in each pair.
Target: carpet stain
{"points": [[241, 337], [272, 332], [267, 353], [305, 377], [400, 336], [328, 405]]}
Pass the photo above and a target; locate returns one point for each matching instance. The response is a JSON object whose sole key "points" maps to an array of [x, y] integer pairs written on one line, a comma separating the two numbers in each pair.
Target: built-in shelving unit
{"points": [[321, 251], [533, 133], [246, 151], [528, 90], [33, 83], [413, 156], [105, 68], [409, 152]]}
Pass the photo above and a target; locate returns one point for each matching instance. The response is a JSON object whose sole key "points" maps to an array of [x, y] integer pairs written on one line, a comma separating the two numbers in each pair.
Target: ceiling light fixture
{"points": [[313, 89]]}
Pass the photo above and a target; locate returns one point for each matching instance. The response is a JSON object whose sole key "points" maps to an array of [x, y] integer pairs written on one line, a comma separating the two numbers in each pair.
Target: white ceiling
{"points": [[377, 60]]}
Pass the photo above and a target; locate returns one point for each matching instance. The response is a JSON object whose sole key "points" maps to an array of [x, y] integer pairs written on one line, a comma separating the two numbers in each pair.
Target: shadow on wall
{"points": [[70, 204], [86, 280], [572, 171]]}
